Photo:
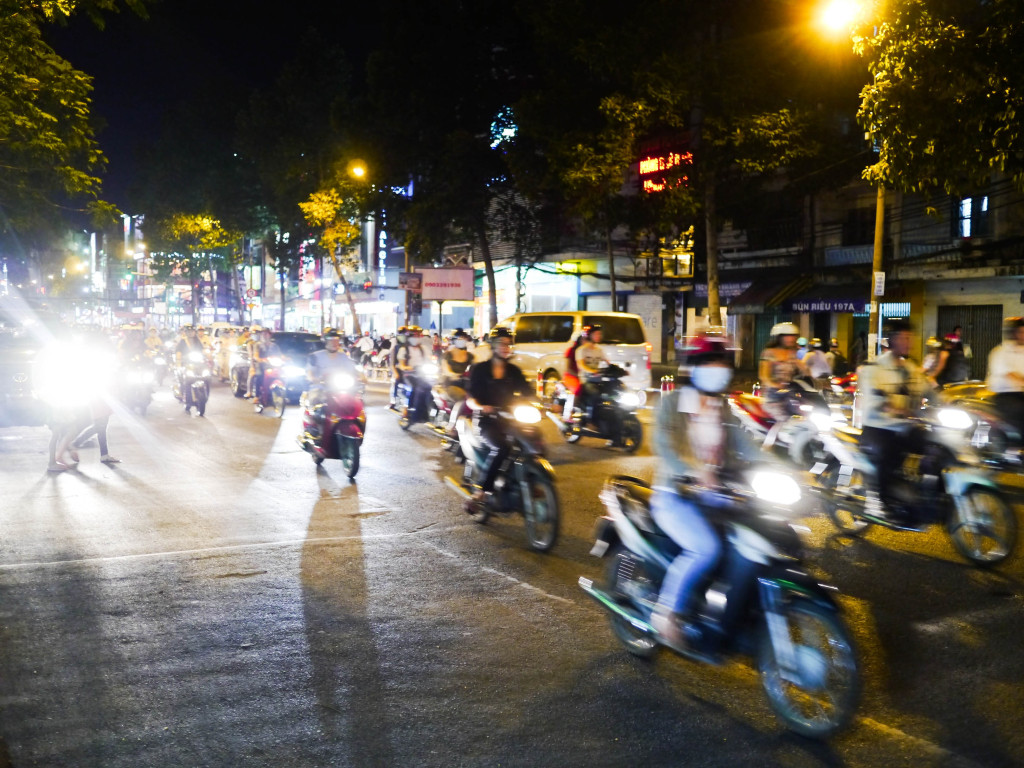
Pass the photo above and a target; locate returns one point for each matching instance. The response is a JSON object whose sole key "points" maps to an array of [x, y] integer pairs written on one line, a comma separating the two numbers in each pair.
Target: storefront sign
{"points": [[653, 167], [455, 284], [828, 305]]}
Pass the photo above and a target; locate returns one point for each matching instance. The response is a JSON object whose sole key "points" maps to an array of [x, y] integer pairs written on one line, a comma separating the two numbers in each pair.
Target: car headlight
{"points": [[775, 488], [526, 414], [954, 418], [342, 382], [629, 400], [293, 371]]}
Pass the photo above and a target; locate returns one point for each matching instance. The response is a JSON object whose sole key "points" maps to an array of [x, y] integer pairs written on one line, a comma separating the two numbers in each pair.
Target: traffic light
{"points": [[368, 286]]}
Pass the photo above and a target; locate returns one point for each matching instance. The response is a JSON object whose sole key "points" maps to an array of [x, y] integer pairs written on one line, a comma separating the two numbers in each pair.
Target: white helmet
{"points": [[784, 329]]}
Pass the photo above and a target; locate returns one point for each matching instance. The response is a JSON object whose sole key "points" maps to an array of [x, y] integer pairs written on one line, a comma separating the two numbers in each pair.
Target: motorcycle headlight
{"points": [[147, 377], [526, 414], [429, 369], [275, 361], [342, 382], [135, 377], [159, 361], [235, 359], [195, 357], [823, 421], [954, 418], [205, 373], [293, 371], [629, 400], [775, 488]]}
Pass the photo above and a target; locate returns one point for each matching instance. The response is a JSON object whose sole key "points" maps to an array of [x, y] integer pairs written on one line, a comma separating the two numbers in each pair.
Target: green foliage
{"points": [[946, 95]]}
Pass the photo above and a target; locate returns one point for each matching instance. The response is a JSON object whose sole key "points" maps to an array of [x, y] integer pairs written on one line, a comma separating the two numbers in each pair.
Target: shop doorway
{"points": [[982, 330]]}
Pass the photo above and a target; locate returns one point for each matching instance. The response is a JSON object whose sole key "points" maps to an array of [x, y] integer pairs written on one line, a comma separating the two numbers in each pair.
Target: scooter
{"points": [[946, 485], [796, 437], [137, 384], [192, 382], [526, 480], [761, 602], [414, 391], [334, 428], [272, 391], [613, 415]]}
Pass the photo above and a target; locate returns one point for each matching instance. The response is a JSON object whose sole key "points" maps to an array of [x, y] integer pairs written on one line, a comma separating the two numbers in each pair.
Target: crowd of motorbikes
{"points": [[761, 601]]}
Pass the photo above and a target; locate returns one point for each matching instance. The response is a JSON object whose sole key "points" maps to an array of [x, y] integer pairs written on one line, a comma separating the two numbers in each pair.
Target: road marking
{"points": [[928, 746]]}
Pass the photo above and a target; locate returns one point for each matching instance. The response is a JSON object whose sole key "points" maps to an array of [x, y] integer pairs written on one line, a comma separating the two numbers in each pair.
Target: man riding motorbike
{"points": [[260, 352], [1006, 374], [889, 391], [188, 343], [494, 384], [455, 365], [697, 441], [590, 359], [401, 343], [408, 359], [320, 366]]}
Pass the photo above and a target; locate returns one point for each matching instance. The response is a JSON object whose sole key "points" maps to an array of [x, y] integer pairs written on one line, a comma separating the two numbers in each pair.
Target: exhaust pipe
{"points": [[610, 604]]}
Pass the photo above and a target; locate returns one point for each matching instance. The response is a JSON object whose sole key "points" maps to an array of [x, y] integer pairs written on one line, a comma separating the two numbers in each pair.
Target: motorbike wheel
{"points": [[540, 511], [404, 421], [640, 644], [551, 379], [200, 397], [237, 387], [823, 698], [983, 527], [632, 434], [841, 510], [348, 452], [317, 459], [278, 398]]}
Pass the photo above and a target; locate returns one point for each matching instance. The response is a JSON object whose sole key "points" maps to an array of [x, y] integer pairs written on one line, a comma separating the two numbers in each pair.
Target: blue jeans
{"points": [[683, 521]]}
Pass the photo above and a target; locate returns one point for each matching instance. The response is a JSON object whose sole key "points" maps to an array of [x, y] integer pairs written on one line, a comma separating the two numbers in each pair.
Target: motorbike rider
{"points": [[836, 359], [494, 384], [817, 363], [778, 367], [455, 365], [260, 352], [590, 359], [153, 342], [410, 357], [697, 440], [401, 342], [188, 344], [952, 365], [320, 365], [889, 391], [1006, 374], [365, 347]]}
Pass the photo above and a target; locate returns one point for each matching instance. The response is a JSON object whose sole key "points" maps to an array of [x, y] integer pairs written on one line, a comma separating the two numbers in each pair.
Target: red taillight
{"points": [[648, 349], [540, 384]]}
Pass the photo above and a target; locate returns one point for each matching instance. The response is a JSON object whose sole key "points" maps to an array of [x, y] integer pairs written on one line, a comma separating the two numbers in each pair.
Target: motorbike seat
{"points": [[754, 404]]}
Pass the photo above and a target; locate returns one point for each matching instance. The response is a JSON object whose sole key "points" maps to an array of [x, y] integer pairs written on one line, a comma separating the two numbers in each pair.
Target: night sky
{"points": [[142, 67]]}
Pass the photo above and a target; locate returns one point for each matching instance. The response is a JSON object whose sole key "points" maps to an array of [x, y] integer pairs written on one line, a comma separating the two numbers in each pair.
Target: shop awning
{"points": [[832, 297], [767, 294]]}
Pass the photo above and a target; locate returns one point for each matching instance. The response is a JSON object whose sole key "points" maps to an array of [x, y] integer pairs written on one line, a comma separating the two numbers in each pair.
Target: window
{"points": [[559, 328], [973, 217], [617, 330], [530, 329]]}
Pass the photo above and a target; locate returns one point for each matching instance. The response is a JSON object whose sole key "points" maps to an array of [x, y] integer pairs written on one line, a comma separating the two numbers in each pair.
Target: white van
{"points": [[541, 339]]}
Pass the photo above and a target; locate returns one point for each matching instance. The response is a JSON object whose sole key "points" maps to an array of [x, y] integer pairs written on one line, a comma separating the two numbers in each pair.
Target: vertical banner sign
{"points": [[879, 284]]}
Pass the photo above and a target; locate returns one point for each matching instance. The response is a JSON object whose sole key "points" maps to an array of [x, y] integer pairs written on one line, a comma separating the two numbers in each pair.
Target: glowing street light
{"points": [[841, 15]]}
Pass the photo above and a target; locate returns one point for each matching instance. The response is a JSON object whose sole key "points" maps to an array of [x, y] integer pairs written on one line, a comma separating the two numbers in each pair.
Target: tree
{"points": [[195, 243], [48, 150], [946, 95], [336, 217]]}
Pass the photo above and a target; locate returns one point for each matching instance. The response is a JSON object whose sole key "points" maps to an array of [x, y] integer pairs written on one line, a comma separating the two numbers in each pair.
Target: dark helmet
{"points": [[1011, 324], [589, 331], [899, 325], [500, 332], [330, 333]]}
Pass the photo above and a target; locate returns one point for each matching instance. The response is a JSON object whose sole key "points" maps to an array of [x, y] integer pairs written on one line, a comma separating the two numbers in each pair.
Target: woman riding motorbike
{"points": [[697, 441], [778, 367]]}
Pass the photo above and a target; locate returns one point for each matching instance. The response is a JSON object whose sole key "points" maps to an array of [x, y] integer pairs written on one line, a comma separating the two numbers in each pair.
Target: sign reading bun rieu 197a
{"points": [[828, 305]]}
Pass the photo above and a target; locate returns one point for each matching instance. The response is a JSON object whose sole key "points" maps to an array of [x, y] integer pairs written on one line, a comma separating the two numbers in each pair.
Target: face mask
{"points": [[460, 343], [711, 378]]}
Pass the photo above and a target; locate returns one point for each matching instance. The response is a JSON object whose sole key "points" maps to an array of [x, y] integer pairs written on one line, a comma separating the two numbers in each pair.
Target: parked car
{"points": [[19, 406], [541, 339]]}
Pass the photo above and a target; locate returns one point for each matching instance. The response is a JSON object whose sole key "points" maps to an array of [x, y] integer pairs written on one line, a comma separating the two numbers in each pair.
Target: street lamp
{"points": [[842, 16]]}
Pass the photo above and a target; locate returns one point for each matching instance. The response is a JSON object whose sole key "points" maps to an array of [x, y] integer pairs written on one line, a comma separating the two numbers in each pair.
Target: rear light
{"points": [[540, 384], [647, 356]]}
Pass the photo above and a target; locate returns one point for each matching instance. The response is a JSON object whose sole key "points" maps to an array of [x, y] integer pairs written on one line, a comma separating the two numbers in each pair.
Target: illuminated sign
{"points": [[653, 167]]}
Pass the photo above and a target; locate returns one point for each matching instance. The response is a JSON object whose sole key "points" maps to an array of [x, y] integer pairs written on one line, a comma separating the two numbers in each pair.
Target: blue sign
{"points": [[828, 305]]}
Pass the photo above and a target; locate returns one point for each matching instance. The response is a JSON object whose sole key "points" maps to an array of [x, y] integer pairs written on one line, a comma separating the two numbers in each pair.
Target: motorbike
{"points": [[414, 391], [760, 602], [613, 415], [841, 389], [334, 428], [999, 443], [946, 485], [441, 408], [158, 359], [238, 371], [526, 480], [137, 384], [192, 382], [272, 391], [795, 438]]}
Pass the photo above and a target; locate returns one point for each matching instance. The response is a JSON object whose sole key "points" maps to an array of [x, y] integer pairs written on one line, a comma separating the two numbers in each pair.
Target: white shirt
{"points": [[1007, 358], [365, 344], [883, 384], [817, 364], [589, 358]]}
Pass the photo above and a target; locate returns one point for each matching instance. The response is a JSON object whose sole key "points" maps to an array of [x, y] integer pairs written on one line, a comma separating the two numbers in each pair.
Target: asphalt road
{"points": [[215, 600]]}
